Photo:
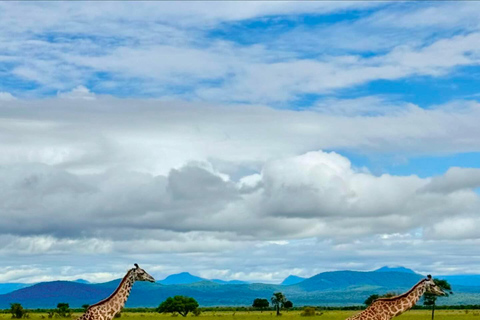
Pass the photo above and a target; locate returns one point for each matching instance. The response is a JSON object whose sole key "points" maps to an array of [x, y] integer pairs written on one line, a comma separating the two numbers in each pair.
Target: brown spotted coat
{"points": [[106, 309], [387, 308]]}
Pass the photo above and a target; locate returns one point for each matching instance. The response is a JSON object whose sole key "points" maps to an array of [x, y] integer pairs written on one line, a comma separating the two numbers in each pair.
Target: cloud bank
{"points": [[102, 176]]}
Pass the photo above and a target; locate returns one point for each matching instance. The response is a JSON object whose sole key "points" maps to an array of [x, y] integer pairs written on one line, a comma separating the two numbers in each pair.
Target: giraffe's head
{"points": [[141, 275], [431, 287]]}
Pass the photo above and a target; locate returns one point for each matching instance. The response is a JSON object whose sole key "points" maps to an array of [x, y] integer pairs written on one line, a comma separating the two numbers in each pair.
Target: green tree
{"points": [[370, 299], [17, 311], [288, 304], [429, 299], [278, 300], [260, 303], [181, 304], [63, 310], [85, 307]]}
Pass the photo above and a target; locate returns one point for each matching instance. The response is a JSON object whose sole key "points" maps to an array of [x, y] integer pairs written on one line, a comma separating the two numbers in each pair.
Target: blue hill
{"points": [[462, 280], [292, 280], [82, 281], [228, 281], [9, 287], [336, 280], [188, 278], [395, 269], [181, 278]]}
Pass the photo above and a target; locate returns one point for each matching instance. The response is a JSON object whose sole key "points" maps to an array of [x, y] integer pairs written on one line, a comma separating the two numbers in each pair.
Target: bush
{"points": [[196, 312], [17, 311], [308, 312]]}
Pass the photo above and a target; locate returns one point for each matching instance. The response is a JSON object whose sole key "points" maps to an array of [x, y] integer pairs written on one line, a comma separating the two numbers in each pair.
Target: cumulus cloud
{"points": [[79, 92], [315, 195], [455, 179]]}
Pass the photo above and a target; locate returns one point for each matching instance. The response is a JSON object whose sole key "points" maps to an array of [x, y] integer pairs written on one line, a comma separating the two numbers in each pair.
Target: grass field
{"points": [[292, 315]]}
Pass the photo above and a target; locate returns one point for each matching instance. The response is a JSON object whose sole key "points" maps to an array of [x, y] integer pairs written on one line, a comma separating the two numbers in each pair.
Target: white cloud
{"points": [[315, 195], [173, 59], [79, 92], [6, 96], [154, 136], [455, 179]]}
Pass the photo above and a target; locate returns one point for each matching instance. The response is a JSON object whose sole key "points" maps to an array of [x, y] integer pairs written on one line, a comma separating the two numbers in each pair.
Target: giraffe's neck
{"points": [[114, 304], [406, 301]]}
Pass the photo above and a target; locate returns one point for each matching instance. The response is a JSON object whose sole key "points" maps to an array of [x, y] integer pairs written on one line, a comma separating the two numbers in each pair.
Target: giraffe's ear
{"points": [[429, 277], [136, 265]]}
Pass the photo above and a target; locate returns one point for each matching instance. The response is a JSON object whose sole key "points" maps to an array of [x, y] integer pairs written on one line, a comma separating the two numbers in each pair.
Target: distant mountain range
{"points": [[187, 278], [472, 280], [10, 287], [337, 288], [292, 280]]}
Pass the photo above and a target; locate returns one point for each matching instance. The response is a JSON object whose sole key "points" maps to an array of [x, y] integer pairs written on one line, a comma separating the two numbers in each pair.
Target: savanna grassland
{"points": [[291, 315]]}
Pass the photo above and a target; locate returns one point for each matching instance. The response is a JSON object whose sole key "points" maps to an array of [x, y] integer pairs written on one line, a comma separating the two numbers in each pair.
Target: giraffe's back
{"points": [[93, 313]]}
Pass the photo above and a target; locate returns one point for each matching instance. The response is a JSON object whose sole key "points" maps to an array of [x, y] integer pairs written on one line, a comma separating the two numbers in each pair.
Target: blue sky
{"points": [[339, 125]]}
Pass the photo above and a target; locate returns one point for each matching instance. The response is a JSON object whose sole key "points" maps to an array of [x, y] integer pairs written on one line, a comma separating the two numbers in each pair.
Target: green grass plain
{"points": [[291, 315]]}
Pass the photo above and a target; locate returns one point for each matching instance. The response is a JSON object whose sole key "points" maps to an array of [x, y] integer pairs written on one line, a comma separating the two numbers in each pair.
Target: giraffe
{"points": [[387, 308], [106, 309]]}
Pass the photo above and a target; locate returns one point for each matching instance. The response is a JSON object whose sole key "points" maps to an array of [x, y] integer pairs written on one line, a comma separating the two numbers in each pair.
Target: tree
{"points": [[260, 303], [85, 307], [181, 304], [429, 299], [63, 310], [17, 311], [288, 304], [278, 300], [370, 299]]}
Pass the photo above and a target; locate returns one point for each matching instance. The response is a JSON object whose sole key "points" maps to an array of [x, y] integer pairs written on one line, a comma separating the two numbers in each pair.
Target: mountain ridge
{"points": [[394, 269], [334, 288], [292, 279]]}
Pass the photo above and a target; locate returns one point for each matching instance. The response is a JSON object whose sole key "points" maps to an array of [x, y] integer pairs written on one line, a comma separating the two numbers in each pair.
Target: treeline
{"points": [[250, 309]]}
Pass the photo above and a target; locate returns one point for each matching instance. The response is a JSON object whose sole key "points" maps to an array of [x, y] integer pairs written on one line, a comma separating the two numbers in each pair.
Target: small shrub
{"points": [[308, 312], [197, 312]]}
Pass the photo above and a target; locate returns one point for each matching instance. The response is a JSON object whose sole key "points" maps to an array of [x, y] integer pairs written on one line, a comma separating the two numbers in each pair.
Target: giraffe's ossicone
{"points": [[108, 308], [387, 308]]}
